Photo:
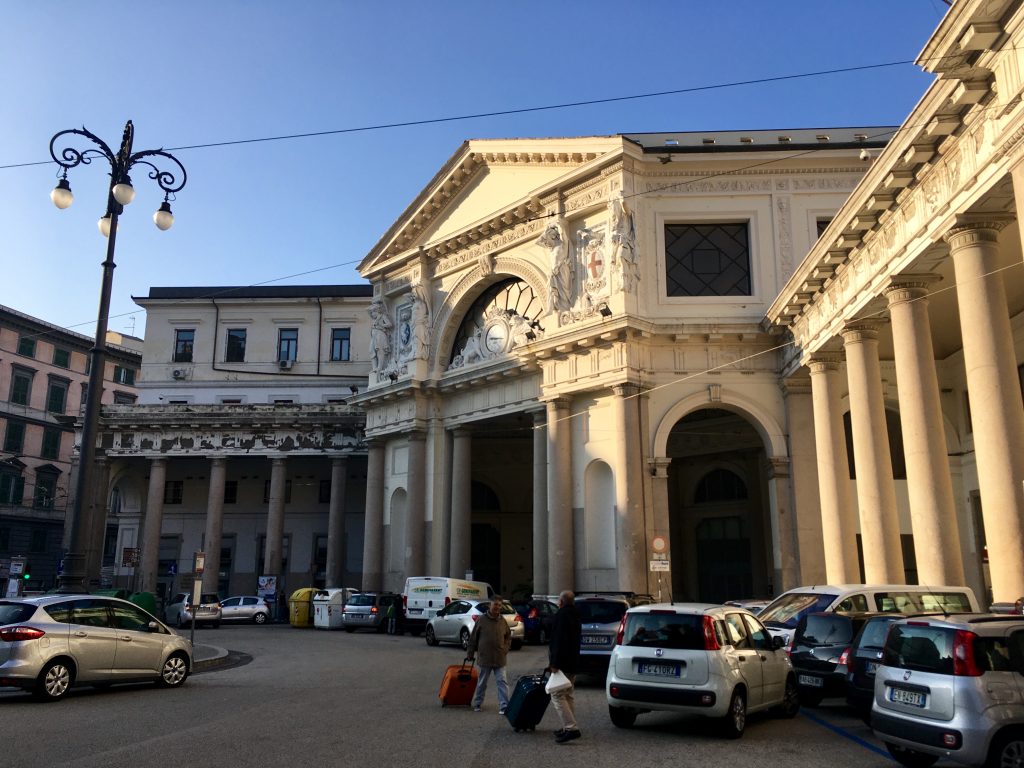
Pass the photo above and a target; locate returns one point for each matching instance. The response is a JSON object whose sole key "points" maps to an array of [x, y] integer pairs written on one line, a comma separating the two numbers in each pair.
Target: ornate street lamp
{"points": [[121, 193]]}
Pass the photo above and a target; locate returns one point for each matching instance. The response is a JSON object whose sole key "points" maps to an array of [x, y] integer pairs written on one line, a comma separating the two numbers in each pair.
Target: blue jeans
{"points": [[481, 686]]}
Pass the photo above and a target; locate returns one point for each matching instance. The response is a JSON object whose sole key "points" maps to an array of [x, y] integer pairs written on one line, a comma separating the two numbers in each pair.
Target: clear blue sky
{"points": [[197, 72]]}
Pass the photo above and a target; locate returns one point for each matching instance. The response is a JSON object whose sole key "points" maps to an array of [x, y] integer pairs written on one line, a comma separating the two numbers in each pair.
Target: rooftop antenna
{"points": [[131, 318]]}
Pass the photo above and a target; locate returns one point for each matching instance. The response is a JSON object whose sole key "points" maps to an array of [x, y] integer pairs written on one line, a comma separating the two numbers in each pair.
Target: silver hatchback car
{"points": [[49, 644], [952, 687]]}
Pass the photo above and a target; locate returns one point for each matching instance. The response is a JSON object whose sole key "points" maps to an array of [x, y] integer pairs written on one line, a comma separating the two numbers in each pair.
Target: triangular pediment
{"points": [[479, 181]]}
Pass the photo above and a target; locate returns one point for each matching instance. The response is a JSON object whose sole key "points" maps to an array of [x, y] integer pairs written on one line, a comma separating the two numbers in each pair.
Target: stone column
{"points": [[806, 507], [462, 483], [540, 504], [214, 524], [661, 581], [631, 549], [994, 391], [273, 553], [336, 524], [97, 520], [373, 526], [416, 507], [149, 558], [440, 456], [785, 565], [930, 487], [838, 518], [561, 555], [876, 491]]}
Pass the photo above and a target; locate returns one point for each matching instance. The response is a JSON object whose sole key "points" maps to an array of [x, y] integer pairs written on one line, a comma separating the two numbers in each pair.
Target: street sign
{"points": [[17, 567], [658, 544], [199, 563], [197, 593], [660, 565]]}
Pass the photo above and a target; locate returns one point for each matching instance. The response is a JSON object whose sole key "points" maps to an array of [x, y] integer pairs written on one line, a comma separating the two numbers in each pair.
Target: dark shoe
{"points": [[559, 732], [566, 736]]}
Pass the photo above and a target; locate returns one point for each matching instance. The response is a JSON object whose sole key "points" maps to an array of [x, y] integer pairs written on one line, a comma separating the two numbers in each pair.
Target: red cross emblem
{"points": [[595, 264]]}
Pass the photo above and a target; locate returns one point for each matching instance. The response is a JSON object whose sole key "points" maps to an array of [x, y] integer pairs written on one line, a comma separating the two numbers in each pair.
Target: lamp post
{"points": [[120, 194]]}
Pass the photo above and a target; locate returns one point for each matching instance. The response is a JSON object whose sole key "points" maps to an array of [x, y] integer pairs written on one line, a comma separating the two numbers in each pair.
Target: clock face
{"points": [[496, 337]]}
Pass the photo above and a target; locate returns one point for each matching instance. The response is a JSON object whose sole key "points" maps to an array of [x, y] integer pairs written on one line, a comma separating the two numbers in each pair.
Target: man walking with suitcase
{"points": [[564, 656], [492, 639]]}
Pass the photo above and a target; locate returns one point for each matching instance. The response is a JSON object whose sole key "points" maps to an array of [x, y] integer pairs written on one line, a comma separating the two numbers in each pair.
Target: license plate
{"points": [[595, 640], [658, 670], [872, 667], [415, 610], [903, 696], [811, 681]]}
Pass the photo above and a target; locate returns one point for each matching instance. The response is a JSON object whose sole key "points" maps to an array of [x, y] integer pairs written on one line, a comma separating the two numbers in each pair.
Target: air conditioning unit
{"points": [[178, 373], [285, 365]]}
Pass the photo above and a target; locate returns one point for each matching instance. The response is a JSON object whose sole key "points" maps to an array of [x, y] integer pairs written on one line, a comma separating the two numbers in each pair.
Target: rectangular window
{"points": [[184, 338], [51, 443], [287, 343], [37, 543], [57, 396], [325, 491], [124, 376], [823, 225], [287, 492], [14, 437], [123, 398], [174, 490], [46, 487], [235, 347], [340, 342], [12, 490], [707, 259], [27, 346], [230, 491], [21, 386], [61, 358]]}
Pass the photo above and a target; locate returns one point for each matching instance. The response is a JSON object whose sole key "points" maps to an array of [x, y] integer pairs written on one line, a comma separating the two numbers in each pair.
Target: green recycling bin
{"points": [[300, 607], [145, 600]]}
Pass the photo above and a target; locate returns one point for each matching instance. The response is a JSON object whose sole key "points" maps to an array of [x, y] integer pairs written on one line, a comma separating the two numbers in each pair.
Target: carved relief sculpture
{"points": [[420, 323], [563, 269], [502, 332], [623, 244], [380, 336]]}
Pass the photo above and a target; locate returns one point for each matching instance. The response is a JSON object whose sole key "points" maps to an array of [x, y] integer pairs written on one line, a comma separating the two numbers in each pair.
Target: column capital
{"points": [[218, 461], [972, 230], [905, 288], [158, 461], [860, 331], [277, 461], [778, 467], [416, 435], [337, 461], [462, 431], [540, 417], [659, 466], [561, 403], [626, 390], [798, 384], [823, 362]]}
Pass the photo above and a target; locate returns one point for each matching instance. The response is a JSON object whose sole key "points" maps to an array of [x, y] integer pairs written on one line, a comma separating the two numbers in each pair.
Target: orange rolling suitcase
{"points": [[458, 685]]}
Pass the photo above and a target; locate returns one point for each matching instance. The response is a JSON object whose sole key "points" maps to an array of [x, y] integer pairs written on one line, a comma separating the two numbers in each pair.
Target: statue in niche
{"points": [[623, 243], [563, 269], [380, 335], [419, 323]]}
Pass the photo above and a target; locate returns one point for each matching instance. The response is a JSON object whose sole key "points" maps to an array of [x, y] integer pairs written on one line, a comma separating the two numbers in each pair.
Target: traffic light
{"points": [[27, 573]]}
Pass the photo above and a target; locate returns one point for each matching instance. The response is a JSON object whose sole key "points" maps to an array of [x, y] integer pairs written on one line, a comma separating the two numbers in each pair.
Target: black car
{"points": [[537, 616], [820, 643]]}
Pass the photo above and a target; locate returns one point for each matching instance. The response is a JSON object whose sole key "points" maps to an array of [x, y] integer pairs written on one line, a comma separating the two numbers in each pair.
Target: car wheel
{"points": [[216, 625], [1007, 751], [54, 681], [260, 618], [464, 639], [622, 717], [910, 758], [735, 720], [810, 698], [790, 700], [350, 630], [174, 671], [517, 644], [431, 638]]}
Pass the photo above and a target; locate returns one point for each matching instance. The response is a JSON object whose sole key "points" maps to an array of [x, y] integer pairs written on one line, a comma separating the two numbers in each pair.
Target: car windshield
{"points": [[209, 598], [665, 630], [15, 613], [361, 600], [824, 629], [789, 609], [601, 611]]}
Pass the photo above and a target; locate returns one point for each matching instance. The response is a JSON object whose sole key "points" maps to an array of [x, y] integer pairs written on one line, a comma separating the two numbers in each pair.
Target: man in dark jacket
{"points": [[492, 639], [564, 656]]}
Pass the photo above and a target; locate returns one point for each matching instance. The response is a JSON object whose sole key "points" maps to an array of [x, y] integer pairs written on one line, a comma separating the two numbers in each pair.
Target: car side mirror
{"points": [[154, 627], [778, 642]]}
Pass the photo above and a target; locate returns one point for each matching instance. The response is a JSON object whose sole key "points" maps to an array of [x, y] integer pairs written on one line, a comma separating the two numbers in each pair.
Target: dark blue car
{"points": [[537, 616]]}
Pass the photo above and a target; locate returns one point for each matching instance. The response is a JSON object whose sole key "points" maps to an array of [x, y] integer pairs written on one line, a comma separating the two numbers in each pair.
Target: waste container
{"points": [[300, 607], [328, 605], [145, 600], [121, 593]]}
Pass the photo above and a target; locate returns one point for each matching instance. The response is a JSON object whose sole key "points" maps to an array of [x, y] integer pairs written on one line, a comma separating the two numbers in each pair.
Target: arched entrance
{"points": [[719, 513]]}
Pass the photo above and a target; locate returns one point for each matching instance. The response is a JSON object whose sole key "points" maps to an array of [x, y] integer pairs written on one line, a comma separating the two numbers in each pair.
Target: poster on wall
{"points": [[266, 587]]}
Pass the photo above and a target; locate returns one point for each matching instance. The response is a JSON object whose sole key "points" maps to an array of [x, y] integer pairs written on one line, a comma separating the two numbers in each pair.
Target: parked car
{"points": [[600, 617], [245, 608], [179, 610], [950, 686], [49, 644], [711, 660], [820, 651], [454, 623], [753, 604], [366, 610], [537, 617]]}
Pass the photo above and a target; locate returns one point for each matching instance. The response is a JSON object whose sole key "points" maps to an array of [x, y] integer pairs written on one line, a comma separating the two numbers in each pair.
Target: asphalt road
{"points": [[322, 698]]}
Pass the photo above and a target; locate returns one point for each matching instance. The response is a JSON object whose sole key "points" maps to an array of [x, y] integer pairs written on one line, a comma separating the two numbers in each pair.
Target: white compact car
{"points": [[713, 660]]}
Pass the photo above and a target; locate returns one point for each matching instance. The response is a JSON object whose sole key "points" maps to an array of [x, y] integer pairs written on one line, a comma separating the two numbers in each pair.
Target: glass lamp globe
{"points": [[104, 225], [61, 194], [124, 192], [163, 218]]}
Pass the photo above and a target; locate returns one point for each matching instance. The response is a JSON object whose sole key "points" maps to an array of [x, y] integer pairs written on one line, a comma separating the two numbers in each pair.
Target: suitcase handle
{"points": [[467, 662]]}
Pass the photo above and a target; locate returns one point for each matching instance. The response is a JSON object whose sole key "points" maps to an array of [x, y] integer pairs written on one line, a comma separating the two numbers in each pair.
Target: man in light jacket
{"points": [[492, 640]]}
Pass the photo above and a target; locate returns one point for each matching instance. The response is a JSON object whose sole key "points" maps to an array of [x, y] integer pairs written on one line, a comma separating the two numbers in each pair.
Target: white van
{"points": [[783, 614], [424, 596]]}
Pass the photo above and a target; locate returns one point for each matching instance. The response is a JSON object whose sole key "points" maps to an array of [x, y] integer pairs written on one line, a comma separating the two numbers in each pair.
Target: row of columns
{"points": [[554, 556], [273, 552], [997, 415]]}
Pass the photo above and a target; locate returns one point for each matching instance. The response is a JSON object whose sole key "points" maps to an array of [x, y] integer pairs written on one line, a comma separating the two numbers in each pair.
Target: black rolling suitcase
{"points": [[528, 704]]}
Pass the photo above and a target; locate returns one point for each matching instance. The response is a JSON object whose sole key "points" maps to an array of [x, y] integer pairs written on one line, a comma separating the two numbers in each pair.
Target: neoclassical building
{"points": [[572, 382]]}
